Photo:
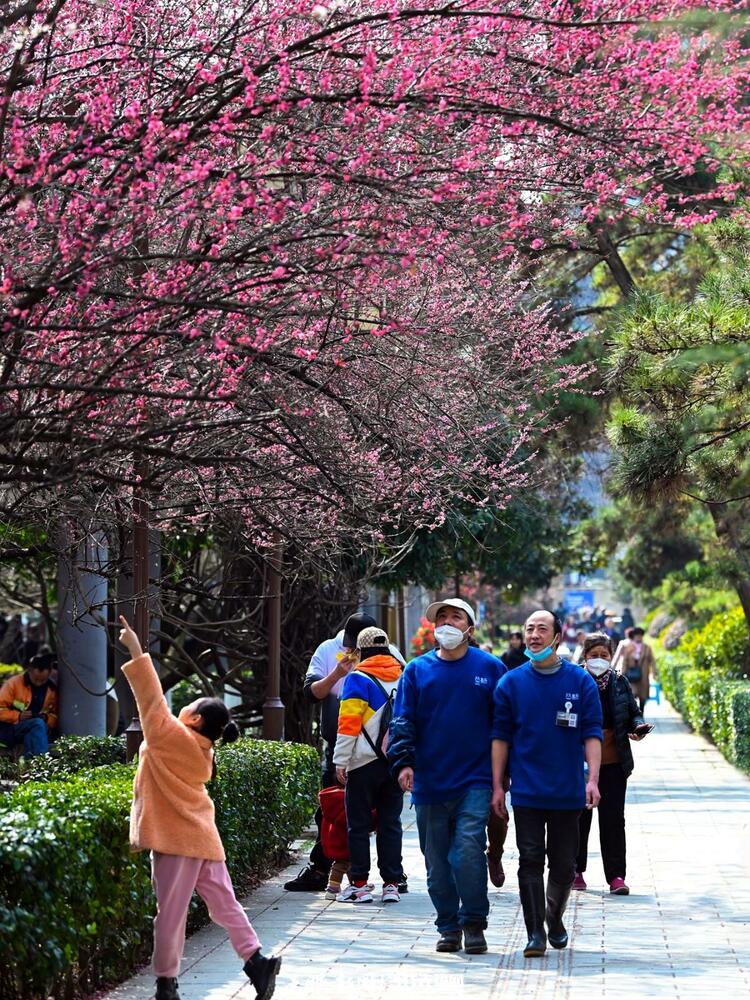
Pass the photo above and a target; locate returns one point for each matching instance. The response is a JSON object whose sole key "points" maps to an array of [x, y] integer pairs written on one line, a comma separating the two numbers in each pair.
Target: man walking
{"points": [[547, 718], [440, 752]]}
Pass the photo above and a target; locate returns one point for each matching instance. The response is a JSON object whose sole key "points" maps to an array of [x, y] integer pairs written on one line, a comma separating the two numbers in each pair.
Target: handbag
{"points": [[633, 674]]}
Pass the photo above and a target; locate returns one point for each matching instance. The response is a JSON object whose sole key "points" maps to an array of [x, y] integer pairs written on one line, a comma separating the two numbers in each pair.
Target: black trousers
{"points": [[553, 832], [612, 787], [373, 787]]}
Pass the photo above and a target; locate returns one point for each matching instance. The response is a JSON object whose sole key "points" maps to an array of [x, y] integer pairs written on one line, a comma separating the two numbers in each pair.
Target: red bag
{"points": [[333, 825]]}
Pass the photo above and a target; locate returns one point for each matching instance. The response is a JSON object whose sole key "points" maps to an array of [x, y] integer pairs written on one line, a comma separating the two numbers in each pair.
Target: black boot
{"points": [[532, 901], [474, 939], [166, 988], [557, 899], [262, 972]]}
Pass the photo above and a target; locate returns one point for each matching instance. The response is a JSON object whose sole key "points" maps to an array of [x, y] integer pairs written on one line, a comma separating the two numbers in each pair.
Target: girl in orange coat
{"points": [[173, 817]]}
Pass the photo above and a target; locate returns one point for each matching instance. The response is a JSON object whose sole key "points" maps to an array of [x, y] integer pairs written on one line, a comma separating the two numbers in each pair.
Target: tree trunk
{"points": [[730, 521]]}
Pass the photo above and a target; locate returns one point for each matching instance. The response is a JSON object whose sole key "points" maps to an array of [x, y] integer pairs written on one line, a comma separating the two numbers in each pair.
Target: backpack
{"points": [[386, 715]]}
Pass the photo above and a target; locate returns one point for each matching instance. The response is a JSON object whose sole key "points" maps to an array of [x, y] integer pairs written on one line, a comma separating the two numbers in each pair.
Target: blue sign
{"points": [[574, 600]]}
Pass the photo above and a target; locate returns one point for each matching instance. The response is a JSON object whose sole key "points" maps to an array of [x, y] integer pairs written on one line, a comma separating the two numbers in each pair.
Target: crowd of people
{"points": [[550, 725], [458, 728]]}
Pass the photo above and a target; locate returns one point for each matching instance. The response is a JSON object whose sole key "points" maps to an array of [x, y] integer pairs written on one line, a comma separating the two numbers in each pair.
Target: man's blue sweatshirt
{"points": [[449, 703], [545, 759]]}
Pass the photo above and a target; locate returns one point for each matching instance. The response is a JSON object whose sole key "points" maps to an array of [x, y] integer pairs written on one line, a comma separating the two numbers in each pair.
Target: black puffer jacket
{"points": [[626, 716]]}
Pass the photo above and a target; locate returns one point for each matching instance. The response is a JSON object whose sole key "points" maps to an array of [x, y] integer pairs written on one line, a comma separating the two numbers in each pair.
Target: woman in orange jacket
{"points": [[173, 817]]}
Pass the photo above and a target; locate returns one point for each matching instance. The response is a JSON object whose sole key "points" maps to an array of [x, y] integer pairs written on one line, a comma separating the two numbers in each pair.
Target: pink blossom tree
{"points": [[274, 252]]}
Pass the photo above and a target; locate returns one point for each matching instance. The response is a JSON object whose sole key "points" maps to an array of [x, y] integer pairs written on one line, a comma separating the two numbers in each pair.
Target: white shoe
{"points": [[347, 895], [362, 894], [390, 893]]}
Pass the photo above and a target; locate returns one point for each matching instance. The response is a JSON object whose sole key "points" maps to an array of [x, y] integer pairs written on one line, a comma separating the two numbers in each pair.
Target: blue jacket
{"points": [[442, 721], [545, 759]]}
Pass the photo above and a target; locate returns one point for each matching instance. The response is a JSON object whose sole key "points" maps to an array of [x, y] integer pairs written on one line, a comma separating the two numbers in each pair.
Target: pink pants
{"points": [[174, 879]]}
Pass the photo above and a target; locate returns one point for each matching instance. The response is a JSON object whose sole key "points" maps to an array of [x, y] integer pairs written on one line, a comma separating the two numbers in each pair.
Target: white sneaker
{"points": [[347, 895], [390, 893], [362, 894], [333, 891]]}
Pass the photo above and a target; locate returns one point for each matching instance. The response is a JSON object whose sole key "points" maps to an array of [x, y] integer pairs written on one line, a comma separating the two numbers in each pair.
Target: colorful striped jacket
{"points": [[362, 704]]}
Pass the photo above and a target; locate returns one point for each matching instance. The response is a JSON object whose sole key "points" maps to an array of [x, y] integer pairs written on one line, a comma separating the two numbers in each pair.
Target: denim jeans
{"points": [[33, 733], [452, 836], [373, 787]]}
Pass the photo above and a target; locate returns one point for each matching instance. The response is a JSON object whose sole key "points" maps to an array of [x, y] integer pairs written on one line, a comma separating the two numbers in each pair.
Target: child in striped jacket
{"points": [[359, 756]]}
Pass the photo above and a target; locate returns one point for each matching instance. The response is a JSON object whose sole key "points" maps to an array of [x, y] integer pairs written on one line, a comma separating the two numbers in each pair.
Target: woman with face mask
{"points": [[622, 722]]}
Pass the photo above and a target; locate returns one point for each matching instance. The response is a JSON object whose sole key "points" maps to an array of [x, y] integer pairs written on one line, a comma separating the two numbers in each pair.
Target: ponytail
{"points": [[216, 724], [230, 733], [216, 719]]}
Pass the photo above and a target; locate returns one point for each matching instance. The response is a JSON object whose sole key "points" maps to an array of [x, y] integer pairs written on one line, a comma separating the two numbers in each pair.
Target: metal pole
{"points": [[273, 706], [401, 616], [134, 732]]}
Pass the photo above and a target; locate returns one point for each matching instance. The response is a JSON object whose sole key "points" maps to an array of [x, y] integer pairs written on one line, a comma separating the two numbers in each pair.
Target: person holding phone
{"points": [[622, 722]]}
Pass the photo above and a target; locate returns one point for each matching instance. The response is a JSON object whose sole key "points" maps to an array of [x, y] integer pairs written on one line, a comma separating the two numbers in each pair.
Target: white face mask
{"points": [[449, 637], [597, 666]]}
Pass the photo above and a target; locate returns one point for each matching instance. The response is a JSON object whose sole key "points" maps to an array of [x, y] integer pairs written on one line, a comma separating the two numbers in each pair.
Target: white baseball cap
{"points": [[450, 602]]}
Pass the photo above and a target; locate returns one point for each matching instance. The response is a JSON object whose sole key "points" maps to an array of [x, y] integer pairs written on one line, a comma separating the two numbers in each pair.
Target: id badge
{"points": [[567, 719]]}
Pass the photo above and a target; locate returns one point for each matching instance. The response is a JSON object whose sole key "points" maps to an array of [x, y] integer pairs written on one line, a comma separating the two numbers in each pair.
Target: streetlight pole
{"points": [[134, 732], [273, 706]]}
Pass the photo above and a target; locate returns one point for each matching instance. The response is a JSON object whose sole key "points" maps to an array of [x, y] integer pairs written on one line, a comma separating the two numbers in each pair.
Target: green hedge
{"points": [[671, 669], [730, 720], [67, 756], [77, 908], [696, 696], [711, 703], [70, 754], [722, 646]]}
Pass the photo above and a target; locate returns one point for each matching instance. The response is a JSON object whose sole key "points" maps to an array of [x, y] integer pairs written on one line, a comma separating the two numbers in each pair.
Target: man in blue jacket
{"points": [[547, 718], [439, 750]]}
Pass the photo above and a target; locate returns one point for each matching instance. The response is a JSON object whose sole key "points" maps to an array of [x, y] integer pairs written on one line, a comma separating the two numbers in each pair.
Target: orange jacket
{"points": [[15, 697], [171, 812]]}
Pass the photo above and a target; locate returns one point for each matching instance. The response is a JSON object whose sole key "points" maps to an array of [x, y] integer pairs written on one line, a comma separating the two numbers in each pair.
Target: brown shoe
{"points": [[495, 871]]}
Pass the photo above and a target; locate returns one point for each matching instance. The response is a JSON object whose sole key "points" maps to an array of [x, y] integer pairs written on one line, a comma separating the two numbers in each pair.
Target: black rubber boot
{"points": [[166, 988], [557, 900], [532, 901], [474, 939], [262, 972]]}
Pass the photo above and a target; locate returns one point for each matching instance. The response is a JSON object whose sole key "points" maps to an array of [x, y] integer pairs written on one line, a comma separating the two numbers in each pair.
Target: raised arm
{"points": [[145, 684]]}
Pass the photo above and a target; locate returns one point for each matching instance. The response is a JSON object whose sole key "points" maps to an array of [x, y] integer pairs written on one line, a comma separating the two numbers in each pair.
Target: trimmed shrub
{"points": [[671, 670], [722, 646], [730, 720], [70, 754], [77, 907], [696, 694]]}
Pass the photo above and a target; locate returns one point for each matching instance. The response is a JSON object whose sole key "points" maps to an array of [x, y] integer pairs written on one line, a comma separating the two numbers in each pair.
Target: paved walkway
{"points": [[683, 933]]}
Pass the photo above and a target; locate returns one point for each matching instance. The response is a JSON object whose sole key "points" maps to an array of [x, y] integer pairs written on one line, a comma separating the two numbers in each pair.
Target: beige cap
{"points": [[450, 602]]}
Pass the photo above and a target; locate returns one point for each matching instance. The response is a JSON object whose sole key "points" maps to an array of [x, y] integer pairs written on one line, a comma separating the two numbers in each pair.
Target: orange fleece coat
{"points": [[171, 812]]}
